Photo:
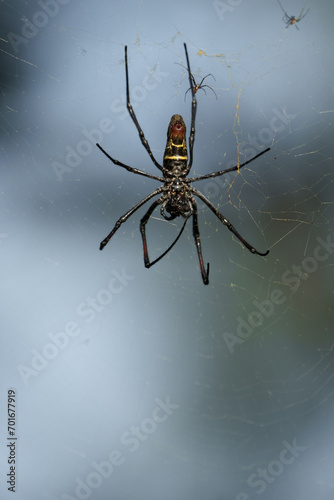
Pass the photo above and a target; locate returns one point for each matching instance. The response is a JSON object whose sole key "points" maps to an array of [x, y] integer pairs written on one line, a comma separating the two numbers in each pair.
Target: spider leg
{"points": [[202, 87], [128, 214], [167, 217], [205, 273], [193, 112], [133, 116], [222, 172], [301, 13], [186, 94], [209, 74], [130, 169], [302, 17], [285, 14], [191, 77], [226, 222], [143, 223], [288, 20]]}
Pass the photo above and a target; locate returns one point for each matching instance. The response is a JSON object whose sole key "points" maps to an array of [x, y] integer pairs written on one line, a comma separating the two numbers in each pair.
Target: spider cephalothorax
{"points": [[177, 195]]}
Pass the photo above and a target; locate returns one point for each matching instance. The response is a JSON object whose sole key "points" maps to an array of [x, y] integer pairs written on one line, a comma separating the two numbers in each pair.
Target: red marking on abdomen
{"points": [[178, 129]]}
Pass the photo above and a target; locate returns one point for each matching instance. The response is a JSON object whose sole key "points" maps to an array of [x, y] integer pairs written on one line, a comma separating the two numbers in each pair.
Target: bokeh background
{"points": [[135, 383]]}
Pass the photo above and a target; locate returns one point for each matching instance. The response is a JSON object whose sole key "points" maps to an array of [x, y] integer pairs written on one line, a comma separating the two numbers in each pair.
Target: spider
{"points": [[196, 86], [177, 195], [290, 20]]}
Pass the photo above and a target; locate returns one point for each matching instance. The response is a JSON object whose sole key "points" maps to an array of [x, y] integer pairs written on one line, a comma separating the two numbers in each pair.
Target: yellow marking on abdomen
{"points": [[175, 157]]}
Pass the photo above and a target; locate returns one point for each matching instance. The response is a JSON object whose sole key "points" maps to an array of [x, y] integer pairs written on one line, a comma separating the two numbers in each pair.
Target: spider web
{"points": [[94, 343]]}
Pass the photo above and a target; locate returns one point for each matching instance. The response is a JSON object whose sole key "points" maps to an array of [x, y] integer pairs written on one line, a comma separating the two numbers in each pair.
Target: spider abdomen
{"points": [[176, 154]]}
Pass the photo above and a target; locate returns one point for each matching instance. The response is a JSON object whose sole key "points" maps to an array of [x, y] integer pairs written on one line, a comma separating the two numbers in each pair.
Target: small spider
{"points": [[196, 86], [176, 194], [292, 20]]}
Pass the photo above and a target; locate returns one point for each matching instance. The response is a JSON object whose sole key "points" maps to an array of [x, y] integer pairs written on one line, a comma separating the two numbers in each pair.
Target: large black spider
{"points": [[177, 194]]}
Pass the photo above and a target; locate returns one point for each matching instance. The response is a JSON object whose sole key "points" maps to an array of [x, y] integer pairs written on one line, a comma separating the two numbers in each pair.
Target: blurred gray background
{"points": [[134, 383]]}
